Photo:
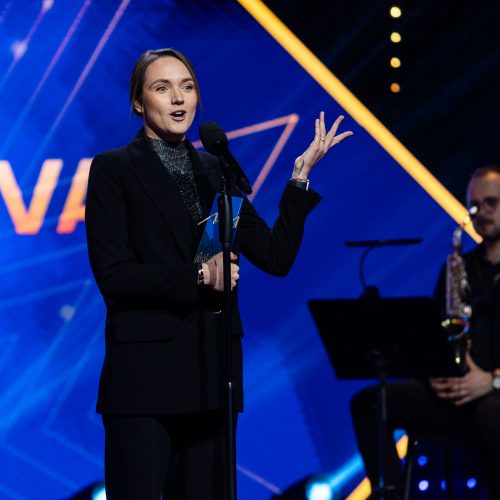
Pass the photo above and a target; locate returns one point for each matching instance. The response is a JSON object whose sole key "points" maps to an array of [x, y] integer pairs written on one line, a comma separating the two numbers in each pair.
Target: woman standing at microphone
{"points": [[161, 388]]}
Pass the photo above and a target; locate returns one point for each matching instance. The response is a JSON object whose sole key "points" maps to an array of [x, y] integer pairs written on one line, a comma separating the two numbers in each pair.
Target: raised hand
{"points": [[321, 144]]}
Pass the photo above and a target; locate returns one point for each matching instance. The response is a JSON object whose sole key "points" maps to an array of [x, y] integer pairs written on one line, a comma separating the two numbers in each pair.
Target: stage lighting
{"points": [[395, 37], [422, 460], [316, 487], [471, 483], [99, 493], [47, 5], [18, 49], [395, 88], [395, 62], [395, 12], [94, 491], [423, 485], [319, 491]]}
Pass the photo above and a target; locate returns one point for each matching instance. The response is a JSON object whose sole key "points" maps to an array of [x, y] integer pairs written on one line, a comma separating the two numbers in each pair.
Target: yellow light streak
{"points": [[358, 111]]}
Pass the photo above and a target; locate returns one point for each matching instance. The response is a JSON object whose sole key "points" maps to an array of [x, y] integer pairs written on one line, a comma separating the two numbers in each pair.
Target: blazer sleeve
{"points": [[114, 263], [273, 250]]}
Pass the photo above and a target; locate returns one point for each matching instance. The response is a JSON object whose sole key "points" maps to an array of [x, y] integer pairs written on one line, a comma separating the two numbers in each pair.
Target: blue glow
{"points": [[345, 473], [319, 491], [422, 460], [99, 493], [423, 485], [50, 363], [471, 483], [398, 434], [443, 485]]}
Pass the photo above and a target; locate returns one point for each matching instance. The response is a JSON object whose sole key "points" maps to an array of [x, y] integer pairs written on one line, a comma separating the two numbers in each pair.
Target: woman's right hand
{"points": [[213, 272]]}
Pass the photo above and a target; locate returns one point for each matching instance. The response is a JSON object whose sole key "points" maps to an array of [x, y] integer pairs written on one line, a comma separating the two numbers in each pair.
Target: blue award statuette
{"points": [[210, 244]]}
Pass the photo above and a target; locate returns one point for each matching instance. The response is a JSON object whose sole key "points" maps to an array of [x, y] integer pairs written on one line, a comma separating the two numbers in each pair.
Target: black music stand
{"points": [[384, 338]]}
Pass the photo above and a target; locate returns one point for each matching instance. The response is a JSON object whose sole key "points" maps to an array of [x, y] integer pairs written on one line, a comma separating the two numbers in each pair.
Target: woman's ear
{"points": [[138, 107]]}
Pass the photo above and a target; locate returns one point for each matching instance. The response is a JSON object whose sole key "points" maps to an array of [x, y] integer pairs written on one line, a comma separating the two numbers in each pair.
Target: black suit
{"points": [[162, 349]]}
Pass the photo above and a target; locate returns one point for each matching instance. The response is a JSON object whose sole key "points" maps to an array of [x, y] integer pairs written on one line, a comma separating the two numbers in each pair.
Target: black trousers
{"points": [[179, 457], [414, 407]]}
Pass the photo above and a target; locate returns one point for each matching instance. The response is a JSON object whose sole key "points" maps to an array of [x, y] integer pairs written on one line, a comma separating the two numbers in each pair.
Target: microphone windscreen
{"points": [[212, 137]]}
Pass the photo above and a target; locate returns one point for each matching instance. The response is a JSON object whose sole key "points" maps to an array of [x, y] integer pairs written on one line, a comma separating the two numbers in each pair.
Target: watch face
{"points": [[496, 382]]}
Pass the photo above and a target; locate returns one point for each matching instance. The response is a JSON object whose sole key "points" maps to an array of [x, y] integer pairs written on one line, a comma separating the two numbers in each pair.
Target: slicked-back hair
{"points": [[139, 72]]}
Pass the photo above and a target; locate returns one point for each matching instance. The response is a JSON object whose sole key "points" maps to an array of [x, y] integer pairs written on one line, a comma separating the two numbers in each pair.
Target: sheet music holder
{"points": [[384, 338], [406, 331]]}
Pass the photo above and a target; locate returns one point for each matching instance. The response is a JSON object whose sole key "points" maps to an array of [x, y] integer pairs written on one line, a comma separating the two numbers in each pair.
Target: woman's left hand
{"points": [[321, 144]]}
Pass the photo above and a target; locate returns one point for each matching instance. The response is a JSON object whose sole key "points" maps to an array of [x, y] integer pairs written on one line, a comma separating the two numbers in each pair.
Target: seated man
{"points": [[470, 404]]}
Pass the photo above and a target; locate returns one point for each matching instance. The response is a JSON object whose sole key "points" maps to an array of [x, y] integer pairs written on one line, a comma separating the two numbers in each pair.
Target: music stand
{"points": [[384, 338]]}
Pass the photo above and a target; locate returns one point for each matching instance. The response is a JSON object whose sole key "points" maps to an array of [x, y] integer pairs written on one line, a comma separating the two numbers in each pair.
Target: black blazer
{"points": [[163, 346]]}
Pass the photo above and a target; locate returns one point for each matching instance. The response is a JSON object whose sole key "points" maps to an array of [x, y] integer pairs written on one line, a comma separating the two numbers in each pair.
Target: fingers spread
{"points": [[335, 126], [341, 137], [332, 139], [316, 133], [321, 143], [322, 128]]}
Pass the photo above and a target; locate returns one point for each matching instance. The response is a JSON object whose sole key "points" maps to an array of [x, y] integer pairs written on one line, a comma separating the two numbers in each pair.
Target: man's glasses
{"points": [[490, 203]]}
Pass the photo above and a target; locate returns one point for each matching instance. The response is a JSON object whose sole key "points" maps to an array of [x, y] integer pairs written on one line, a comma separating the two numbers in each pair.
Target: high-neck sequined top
{"points": [[175, 157]]}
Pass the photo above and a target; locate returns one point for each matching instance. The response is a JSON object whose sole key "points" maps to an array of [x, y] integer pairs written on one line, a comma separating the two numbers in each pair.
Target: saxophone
{"points": [[458, 310]]}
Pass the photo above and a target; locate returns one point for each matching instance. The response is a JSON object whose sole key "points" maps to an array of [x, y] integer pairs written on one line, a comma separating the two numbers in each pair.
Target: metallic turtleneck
{"points": [[175, 157]]}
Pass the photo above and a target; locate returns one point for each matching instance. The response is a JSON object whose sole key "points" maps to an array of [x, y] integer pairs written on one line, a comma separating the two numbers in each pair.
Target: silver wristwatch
{"points": [[201, 275], [495, 382]]}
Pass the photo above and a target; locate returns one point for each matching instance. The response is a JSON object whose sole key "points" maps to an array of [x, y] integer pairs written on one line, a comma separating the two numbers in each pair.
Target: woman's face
{"points": [[169, 99]]}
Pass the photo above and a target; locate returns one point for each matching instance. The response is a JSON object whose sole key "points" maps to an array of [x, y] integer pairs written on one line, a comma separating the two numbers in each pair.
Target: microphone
{"points": [[383, 243], [215, 141]]}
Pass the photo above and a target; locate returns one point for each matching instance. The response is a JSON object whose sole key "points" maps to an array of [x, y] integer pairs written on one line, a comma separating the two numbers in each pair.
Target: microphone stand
{"points": [[384, 490], [225, 208]]}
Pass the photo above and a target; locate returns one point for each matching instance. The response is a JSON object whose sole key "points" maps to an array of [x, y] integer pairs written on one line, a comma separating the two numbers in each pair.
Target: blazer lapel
{"points": [[161, 189], [207, 177]]}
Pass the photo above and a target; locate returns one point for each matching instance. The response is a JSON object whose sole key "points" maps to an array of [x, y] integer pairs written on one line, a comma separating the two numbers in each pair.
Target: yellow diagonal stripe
{"points": [[359, 112]]}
